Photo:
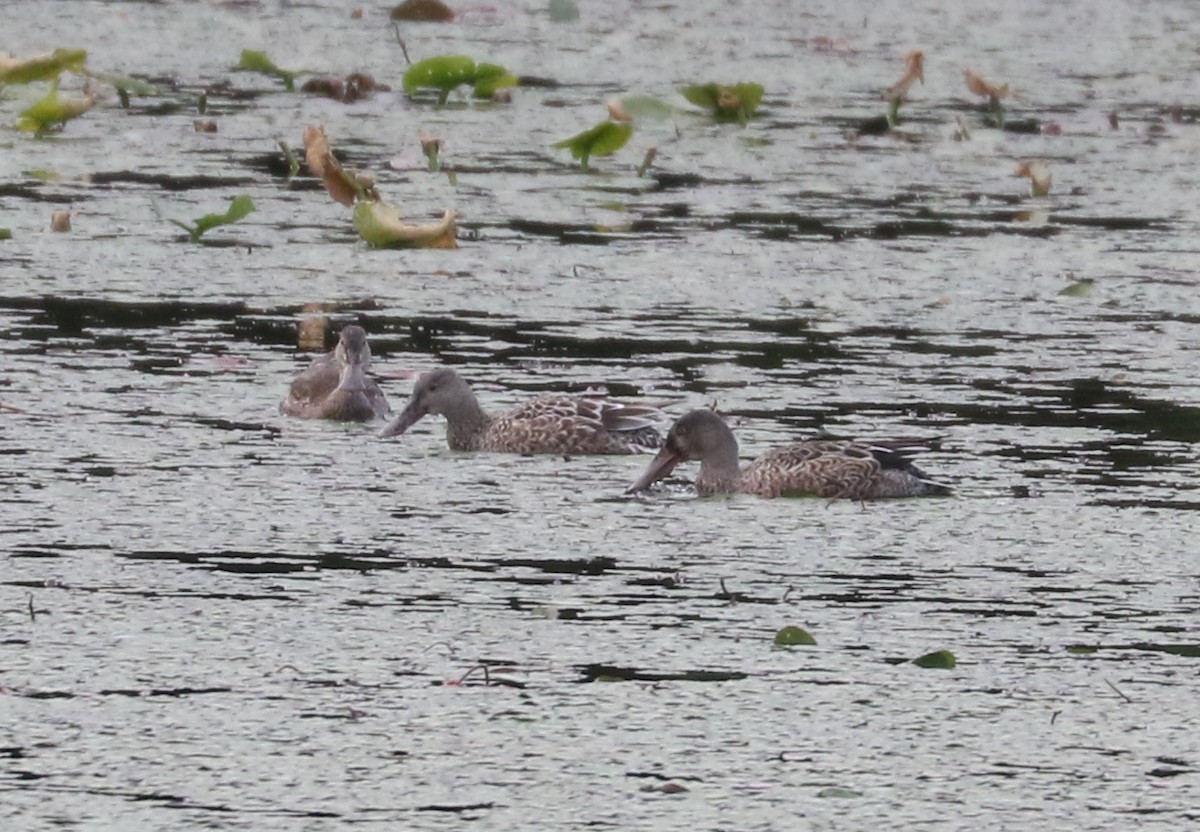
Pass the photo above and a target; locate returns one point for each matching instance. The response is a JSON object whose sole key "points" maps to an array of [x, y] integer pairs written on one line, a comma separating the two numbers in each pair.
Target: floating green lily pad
{"points": [[446, 72], [126, 84], [793, 636], [647, 106], [838, 792], [1082, 649], [43, 67], [940, 659], [491, 77], [5, 234], [256, 61], [240, 207], [52, 111], [726, 103], [605, 138]]}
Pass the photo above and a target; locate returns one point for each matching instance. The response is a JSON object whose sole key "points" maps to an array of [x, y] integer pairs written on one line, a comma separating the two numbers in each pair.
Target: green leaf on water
{"points": [[563, 11], [1082, 649], [490, 77], [838, 792], [646, 106], [1078, 289], [605, 138], [940, 659], [124, 83], [733, 103], [240, 207], [442, 73], [380, 225], [256, 61], [51, 111], [5, 234], [42, 67], [793, 636]]}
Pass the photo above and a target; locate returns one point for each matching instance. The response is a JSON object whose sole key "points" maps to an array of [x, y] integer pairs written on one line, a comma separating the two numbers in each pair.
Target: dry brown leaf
{"points": [[914, 71], [60, 221], [429, 142], [982, 88], [617, 111], [1038, 174], [322, 163]]}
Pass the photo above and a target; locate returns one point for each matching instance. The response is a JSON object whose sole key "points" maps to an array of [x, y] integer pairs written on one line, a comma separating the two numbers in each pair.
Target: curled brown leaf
{"points": [[977, 85], [1038, 174], [343, 185], [914, 63]]}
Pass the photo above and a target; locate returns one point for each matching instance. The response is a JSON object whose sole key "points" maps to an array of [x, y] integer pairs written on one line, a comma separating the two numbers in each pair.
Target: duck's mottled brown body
{"points": [[573, 425], [831, 468], [336, 385]]}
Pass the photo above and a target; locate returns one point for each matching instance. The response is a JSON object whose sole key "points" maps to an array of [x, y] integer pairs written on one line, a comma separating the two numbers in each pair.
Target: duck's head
{"points": [[441, 391], [700, 434], [352, 347]]}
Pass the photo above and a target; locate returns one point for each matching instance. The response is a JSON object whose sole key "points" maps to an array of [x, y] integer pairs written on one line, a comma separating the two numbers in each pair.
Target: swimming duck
{"points": [[821, 467], [557, 424], [336, 385]]}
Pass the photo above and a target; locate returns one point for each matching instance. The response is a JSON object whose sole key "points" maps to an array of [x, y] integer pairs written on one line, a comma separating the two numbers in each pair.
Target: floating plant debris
{"points": [[736, 102], [41, 67], [445, 73], [422, 11], [240, 207], [52, 111], [603, 139]]}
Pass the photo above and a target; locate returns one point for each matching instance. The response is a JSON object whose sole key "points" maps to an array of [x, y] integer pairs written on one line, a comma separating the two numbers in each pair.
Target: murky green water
{"points": [[216, 617]]}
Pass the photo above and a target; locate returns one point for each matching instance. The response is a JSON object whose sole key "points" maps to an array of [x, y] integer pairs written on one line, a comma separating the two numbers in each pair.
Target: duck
{"points": [[554, 424], [336, 385], [830, 468]]}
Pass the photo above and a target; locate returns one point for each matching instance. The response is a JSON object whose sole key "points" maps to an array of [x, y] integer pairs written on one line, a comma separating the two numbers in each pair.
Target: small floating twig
{"points": [[1118, 691], [461, 679]]}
